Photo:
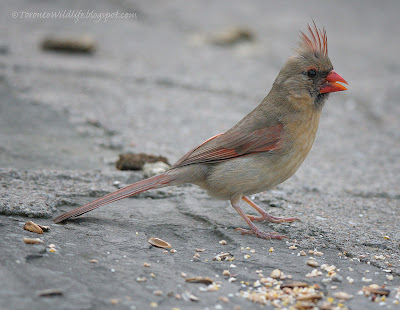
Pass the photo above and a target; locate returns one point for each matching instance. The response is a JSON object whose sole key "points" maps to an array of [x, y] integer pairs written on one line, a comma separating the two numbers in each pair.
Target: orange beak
{"points": [[330, 84]]}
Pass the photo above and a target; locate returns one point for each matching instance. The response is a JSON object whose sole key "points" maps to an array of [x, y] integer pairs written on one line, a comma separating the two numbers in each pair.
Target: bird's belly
{"points": [[254, 173], [248, 175]]}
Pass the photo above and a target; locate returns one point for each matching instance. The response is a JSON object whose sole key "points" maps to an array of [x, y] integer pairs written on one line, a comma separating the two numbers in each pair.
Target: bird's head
{"points": [[308, 76]]}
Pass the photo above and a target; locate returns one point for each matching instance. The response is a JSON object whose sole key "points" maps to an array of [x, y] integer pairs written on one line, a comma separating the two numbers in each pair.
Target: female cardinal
{"points": [[264, 149]]}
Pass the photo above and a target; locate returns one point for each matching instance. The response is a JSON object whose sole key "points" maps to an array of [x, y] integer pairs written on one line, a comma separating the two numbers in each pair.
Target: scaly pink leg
{"points": [[265, 216], [254, 230]]}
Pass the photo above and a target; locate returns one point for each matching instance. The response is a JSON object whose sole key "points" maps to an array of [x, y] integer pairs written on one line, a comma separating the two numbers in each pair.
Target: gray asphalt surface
{"points": [[155, 85]]}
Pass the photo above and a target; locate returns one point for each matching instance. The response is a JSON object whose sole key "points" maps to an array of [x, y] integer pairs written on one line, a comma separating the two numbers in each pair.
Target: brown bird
{"points": [[261, 151]]}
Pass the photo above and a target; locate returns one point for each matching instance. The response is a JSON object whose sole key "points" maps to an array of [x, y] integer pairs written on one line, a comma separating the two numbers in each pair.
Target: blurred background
{"points": [[77, 90]]}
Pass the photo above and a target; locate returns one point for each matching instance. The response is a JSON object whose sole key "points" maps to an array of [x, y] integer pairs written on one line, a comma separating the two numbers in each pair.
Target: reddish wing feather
{"points": [[234, 144]]}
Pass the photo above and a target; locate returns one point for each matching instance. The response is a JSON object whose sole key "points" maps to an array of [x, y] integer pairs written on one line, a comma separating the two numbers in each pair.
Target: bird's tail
{"points": [[133, 189]]}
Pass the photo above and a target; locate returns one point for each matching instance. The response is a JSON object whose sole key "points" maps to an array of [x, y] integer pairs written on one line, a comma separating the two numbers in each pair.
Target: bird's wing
{"points": [[233, 144]]}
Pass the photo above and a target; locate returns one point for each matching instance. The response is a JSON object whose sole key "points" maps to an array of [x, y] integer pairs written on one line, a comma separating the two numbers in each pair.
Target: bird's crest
{"points": [[316, 41]]}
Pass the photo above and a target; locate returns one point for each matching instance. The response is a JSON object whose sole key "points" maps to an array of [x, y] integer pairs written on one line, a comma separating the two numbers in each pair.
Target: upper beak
{"points": [[330, 84]]}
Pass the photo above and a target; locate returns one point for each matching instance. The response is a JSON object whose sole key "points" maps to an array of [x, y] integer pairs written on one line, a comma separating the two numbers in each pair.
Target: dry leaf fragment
{"points": [[204, 280], [159, 243], [33, 227]]}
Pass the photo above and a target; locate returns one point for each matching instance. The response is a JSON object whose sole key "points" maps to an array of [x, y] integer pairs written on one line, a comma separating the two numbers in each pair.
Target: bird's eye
{"points": [[312, 73]]}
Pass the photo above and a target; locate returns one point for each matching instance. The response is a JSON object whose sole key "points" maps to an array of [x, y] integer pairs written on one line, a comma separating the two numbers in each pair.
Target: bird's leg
{"points": [[265, 216], [254, 230]]}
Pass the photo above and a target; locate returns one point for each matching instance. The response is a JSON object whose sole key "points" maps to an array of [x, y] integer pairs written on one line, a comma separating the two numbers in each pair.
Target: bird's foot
{"points": [[269, 218], [260, 234]]}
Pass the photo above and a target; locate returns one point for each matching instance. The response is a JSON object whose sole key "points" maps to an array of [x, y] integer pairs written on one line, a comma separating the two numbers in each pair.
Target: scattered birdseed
{"points": [[173, 251], [210, 288], [311, 252], [364, 279], [386, 237], [318, 253], [252, 251], [200, 250], [276, 274], [376, 290], [223, 299], [158, 292], [52, 246], [389, 277], [271, 249], [232, 266], [159, 243], [183, 275], [189, 296], [204, 280], [226, 273], [93, 261], [342, 295], [146, 264], [223, 242], [302, 253], [350, 280], [314, 273], [153, 304], [50, 292], [33, 240], [246, 256], [141, 279], [33, 227], [114, 301], [312, 263], [293, 247], [224, 256], [232, 279]]}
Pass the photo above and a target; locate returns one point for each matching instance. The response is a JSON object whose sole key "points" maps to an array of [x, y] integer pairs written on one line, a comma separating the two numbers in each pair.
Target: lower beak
{"points": [[330, 83]]}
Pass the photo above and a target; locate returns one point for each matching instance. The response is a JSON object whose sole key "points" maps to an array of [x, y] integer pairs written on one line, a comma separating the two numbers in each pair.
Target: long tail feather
{"points": [[131, 190]]}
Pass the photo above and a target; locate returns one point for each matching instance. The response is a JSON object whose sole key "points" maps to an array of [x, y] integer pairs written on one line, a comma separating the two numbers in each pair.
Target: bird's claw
{"points": [[261, 234], [269, 218]]}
